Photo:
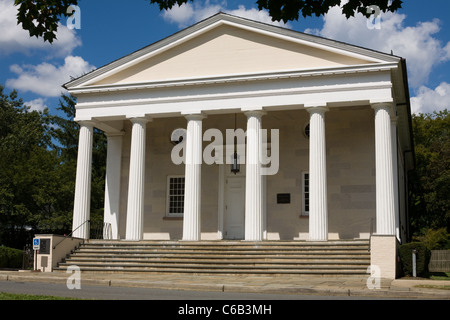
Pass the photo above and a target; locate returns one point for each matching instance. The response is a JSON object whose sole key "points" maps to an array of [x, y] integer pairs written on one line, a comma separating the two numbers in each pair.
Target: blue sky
{"points": [[419, 32]]}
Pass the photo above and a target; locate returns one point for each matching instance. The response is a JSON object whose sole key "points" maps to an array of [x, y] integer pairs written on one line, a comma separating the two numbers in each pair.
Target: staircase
{"points": [[349, 257]]}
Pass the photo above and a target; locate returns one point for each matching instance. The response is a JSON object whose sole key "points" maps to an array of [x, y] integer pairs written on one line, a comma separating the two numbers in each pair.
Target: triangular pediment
{"points": [[227, 46]]}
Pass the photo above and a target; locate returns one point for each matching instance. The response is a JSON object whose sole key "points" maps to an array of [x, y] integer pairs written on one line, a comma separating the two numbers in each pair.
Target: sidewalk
{"points": [[278, 284]]}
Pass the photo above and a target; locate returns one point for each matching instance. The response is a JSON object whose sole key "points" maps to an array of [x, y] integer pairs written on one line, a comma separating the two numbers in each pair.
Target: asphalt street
{"points": [[130, 293]]}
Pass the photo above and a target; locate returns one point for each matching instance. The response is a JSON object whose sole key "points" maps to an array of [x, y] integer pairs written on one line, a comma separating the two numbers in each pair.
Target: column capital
{"points": [[255, 113], [140, 120], [378, 105], [195, 116], [317, 108], [86, 123], [114, 134]]}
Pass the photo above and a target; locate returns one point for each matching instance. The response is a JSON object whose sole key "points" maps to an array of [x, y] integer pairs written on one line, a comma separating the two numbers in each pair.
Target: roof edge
{"points": [[239, 21]]}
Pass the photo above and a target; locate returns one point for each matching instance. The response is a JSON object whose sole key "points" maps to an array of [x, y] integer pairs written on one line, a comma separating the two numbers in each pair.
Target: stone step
{"points": [[270, 249], [220, 243], [331, 270], [216, 252], [190, 265], [206, 260], [293, 257], [225, 246], [159, 255]]}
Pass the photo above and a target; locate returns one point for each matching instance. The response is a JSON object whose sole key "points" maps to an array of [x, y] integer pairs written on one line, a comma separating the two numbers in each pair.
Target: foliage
{"points": [[38, 169], [289, 10], [41, 17], [10, 258], [430, 181], [423, 256], [27, 167], [435, 239], [23, 297]]}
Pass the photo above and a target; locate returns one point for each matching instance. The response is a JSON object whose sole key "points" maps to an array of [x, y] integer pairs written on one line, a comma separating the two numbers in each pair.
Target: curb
{"points": [[395, 290]]}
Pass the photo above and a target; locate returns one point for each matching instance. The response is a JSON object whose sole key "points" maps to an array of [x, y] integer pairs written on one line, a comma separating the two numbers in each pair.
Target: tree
{"points": [[289, 10], [37, 170], [41, 17], [430, 181], [26, 168]]}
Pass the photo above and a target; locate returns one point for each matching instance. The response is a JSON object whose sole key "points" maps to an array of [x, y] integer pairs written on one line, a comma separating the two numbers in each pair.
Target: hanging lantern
{"points": [[235, 166]]}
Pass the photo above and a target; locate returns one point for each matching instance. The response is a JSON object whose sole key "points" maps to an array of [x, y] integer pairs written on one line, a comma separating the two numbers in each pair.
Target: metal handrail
{"points": [[371, 232], [70, 234], [107, 231]]}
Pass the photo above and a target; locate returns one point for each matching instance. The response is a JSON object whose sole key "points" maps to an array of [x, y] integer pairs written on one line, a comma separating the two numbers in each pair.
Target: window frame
{"points": [[169, 196], [305, 193]]}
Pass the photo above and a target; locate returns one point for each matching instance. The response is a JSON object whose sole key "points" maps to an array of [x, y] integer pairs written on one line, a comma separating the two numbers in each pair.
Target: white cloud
{"points": [[14, 39], [447, 50], [190, 13], [429, 100], [418, 44], [36, 104], [46, 79], [256, 15]]}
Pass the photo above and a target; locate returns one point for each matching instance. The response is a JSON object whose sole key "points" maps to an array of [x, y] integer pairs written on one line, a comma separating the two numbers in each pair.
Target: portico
{"points": [[332, 180]]}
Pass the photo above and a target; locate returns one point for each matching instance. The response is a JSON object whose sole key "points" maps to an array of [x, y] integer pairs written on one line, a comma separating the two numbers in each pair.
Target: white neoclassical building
{"points": [[326, 148]]}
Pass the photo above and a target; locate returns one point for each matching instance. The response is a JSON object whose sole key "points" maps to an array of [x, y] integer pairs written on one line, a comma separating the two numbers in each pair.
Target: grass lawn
{"points": [[434, 287], [16, 296], [440, 276], [437, 276]]}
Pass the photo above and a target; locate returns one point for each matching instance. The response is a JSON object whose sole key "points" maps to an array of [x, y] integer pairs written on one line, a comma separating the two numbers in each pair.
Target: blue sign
{"points": [[36, 244]]}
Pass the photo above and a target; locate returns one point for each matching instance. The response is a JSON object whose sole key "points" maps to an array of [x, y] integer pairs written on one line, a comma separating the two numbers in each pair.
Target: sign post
{"points": [[36, 246]]}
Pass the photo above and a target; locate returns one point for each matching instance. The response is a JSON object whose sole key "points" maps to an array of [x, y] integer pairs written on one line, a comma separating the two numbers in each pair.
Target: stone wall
{"points": [[350, 174]]}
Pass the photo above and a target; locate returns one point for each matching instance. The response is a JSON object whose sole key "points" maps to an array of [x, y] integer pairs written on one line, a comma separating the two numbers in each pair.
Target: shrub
{"points": [[436, 239], [422, 258], [10, 258]]}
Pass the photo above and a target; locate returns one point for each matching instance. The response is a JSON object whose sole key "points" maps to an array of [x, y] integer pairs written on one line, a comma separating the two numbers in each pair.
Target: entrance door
{"points": [[234, 208]]}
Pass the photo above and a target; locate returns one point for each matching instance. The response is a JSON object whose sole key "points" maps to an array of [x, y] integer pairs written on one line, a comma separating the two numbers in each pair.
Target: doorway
{"points": [[234, 213]]}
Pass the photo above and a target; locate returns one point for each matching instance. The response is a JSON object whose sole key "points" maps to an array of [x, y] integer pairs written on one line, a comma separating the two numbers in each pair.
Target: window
{"points": [[305, 202], [175, 196]]}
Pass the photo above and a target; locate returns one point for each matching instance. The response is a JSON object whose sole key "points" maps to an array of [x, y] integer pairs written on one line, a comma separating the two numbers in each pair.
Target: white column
{"points": [[385, 201], [192, 193], [318, 203], [112, 184], [135, 207], [82, 201], [253, 181], [395, 174]]}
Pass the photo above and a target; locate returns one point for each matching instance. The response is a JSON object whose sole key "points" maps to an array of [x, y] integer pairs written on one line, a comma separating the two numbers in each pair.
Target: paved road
{"points": [[127, 293]]}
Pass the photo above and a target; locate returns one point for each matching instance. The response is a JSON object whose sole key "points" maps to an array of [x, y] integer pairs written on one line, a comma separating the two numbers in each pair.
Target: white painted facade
{"points": [[226, 73]]}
